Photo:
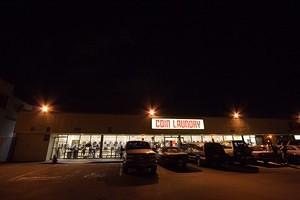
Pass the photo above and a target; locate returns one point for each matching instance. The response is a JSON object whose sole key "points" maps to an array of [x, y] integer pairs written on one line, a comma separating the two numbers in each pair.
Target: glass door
{"points": [[59, 146], [172, 141]]}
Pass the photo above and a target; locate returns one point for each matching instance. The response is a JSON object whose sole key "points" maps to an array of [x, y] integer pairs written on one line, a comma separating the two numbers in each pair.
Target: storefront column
{"points": [[179, 142], [101, 146]]}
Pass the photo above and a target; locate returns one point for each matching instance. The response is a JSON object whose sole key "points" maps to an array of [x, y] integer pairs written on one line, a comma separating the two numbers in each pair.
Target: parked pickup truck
{"points": [[139, 155]]}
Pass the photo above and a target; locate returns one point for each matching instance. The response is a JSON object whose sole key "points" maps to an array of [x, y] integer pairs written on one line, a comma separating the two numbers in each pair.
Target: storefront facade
{"points": [[39, 136]]}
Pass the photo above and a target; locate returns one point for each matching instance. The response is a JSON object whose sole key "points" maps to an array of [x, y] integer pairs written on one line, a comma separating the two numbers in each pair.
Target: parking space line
{"points": [[26, 174]]}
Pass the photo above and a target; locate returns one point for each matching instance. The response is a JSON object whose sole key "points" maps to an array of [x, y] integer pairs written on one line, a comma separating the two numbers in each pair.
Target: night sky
{"points": [[187, 58]]}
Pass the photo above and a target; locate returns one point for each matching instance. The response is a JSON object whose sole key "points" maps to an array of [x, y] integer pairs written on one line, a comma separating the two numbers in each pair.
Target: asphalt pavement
{"points": [[105, 181]]}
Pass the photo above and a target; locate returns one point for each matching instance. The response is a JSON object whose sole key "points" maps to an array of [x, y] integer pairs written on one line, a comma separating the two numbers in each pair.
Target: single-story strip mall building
{"points": [[39, 136]]}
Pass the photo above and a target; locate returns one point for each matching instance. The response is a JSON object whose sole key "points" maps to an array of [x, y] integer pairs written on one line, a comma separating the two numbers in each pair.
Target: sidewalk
{"points": [[295, 166], [84, 161]]}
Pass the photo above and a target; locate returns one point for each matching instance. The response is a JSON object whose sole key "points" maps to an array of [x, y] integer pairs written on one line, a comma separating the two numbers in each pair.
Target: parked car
{"points": [[264, 153], [172, 156], [205, 153], [238, 151], [293, 153], [139, 155]]}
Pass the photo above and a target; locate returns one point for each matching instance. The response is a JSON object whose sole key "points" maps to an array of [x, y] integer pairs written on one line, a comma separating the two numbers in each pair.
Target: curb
{"points": [[86, 162]]}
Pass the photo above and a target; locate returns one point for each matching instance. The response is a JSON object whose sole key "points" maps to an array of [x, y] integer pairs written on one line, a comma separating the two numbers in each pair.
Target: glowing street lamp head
{"points": [[45, 108], [151, 112], [236, 115]]}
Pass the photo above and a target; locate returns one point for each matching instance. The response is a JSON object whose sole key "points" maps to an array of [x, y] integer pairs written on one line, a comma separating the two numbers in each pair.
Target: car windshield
{"points": [[239, 143], [137, 145], [226, 145], [172, 150]]}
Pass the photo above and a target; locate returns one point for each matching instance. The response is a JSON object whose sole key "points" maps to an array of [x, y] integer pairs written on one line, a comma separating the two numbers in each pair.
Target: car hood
{"points": [[294, 152], [175, 154], [140, 151], [262, 152]]}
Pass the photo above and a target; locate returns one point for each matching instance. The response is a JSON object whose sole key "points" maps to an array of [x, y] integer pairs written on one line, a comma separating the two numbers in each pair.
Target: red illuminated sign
{"points": [[164, 123]]}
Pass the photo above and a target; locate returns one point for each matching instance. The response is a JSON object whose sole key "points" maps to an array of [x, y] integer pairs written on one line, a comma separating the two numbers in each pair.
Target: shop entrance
{"points": [[95, 146], [171, 141]]}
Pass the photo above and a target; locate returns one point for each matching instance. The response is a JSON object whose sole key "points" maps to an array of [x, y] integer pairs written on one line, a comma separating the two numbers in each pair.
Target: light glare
{"points": [[45, 108], [236, 115], [151, 112]]}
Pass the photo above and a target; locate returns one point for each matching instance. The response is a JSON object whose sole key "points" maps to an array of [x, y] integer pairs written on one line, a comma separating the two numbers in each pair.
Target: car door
{"points": [[189, 151], [160, 153], [195, 152]]}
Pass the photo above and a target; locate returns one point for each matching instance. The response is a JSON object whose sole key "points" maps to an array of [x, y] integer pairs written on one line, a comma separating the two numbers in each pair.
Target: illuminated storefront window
{"points": [[217, 138], [88, 146], [250, 139], [228, 137], [110, 146], [197, 138], [171, 140], [207, 138], [159, 141], [186, 139], [297, 137], [59, 146], [237, 137], [95, 145]]}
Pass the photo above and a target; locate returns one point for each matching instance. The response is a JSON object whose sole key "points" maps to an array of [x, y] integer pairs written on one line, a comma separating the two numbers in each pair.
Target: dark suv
{"points": [[205, 153], [139, 155]]}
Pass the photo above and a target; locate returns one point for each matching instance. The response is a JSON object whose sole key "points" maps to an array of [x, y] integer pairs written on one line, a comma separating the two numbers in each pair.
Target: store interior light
{"points": [[270, 136]]}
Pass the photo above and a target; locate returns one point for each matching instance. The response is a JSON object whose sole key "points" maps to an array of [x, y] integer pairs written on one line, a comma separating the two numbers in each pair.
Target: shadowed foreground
{"points": [[106, 181]]}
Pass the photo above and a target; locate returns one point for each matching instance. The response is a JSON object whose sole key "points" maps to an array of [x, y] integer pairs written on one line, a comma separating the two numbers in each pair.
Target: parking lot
{"points": [[106, 181]]}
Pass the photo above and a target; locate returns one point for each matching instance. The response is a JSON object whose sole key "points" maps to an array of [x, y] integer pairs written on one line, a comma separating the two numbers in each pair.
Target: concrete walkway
{"points": [[83, 161]]}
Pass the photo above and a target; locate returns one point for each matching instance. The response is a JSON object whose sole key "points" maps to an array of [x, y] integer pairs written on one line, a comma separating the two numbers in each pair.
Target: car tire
{"points": [[153, 170], [183, 166], [162, 162], [125, 170], [198, 162], [243, 163]]}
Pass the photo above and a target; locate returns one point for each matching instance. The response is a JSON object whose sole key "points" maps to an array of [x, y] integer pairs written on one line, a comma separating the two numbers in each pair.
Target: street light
{"points": [[152, 112], [45, 108], [236, 115]]}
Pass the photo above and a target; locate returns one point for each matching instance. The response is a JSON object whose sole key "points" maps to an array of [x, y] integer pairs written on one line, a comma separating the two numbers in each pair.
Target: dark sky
{"points": [[188, 58]]}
